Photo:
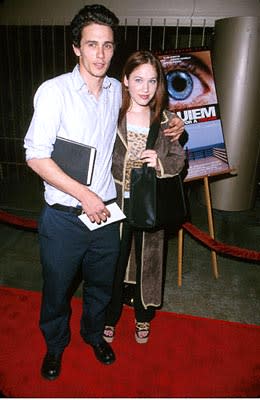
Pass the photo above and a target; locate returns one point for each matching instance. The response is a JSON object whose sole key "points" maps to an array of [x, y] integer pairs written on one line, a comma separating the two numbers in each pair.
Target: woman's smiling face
{"points": [[142, 84]]}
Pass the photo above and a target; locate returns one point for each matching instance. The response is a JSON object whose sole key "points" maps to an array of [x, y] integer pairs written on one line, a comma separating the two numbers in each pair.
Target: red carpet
{"points": [[185, 357]]}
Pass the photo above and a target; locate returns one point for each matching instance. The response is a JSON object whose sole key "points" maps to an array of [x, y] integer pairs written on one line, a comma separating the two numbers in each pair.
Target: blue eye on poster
{"points": [[192, 96]]}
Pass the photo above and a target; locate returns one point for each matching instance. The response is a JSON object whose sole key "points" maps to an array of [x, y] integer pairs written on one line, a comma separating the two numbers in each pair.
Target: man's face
{"points": [[95, 51]]}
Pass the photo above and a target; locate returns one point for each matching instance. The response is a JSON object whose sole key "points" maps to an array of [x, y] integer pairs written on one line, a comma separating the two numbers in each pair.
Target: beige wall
{"points": [[150, 12]]}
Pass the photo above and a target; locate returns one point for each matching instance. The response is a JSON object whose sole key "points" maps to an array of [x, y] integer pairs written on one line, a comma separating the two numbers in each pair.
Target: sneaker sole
{"points": [[141, 340], [108, 339]]}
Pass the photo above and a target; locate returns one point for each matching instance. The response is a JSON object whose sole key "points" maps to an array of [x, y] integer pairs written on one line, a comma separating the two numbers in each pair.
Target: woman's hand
{"points": [[175, 128], [149, 157]]}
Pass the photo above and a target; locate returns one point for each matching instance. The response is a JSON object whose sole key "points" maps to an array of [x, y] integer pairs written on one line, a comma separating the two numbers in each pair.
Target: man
{"points": [[82, 106]]}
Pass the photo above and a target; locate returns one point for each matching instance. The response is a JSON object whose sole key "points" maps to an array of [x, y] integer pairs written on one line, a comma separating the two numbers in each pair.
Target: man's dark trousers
{"points": [[66, 246]]}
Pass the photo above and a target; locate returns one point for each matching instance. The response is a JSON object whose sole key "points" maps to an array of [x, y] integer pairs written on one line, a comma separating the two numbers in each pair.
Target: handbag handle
{"points": [[152, 135]]}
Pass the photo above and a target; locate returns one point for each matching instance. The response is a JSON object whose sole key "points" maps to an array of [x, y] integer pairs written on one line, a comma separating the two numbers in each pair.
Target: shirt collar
{"points": [[79, 82]]}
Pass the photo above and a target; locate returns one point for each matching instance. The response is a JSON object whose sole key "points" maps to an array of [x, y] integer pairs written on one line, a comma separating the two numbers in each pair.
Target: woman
{"points": [[141, 253]]}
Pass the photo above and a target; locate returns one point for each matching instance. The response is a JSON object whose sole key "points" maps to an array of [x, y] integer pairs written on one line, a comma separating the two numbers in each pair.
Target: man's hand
{"points": [[175, 129], [94, 207]]}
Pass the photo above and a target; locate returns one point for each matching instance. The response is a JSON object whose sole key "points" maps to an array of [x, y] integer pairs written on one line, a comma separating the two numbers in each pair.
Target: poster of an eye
{"points": [[192, 95]]}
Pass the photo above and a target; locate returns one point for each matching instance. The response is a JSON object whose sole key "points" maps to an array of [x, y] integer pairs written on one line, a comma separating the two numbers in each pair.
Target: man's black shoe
{"points": [[51, 366], [104, 352]]}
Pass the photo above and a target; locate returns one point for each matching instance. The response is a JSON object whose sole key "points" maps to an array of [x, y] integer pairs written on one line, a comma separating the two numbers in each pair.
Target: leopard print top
{"points": [[136, 140]]}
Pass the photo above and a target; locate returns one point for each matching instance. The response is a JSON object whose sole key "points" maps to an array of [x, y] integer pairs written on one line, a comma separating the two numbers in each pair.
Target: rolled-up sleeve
{"points": [[45, 123]]}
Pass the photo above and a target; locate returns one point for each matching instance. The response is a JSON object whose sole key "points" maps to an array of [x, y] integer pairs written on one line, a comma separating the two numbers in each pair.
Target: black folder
{"points": [[75, 159]]}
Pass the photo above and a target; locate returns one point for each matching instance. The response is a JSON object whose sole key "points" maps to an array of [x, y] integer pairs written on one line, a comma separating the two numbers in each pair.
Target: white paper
{"points": [[116, 215]]}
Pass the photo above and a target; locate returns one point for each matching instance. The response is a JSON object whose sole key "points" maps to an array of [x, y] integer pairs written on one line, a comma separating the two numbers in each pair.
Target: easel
{"points": [[210, 226]]}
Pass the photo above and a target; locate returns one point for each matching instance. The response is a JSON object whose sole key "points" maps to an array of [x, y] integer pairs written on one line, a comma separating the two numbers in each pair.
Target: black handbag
{"points": [[156, 203]]}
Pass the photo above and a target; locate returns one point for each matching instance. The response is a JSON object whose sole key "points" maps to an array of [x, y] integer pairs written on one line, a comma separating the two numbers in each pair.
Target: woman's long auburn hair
{"points": [[159, 101]]}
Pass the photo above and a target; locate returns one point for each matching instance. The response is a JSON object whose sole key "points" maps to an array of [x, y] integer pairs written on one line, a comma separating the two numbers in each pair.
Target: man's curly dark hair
{"points": [[95, 13]]}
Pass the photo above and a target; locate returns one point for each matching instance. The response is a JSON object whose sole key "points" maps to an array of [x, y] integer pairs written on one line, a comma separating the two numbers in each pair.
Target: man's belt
{"points": [[74, 210]]}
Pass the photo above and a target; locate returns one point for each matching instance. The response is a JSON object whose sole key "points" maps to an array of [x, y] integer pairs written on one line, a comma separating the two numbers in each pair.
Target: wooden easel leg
{"points": [[210, 224], [180, 255]]}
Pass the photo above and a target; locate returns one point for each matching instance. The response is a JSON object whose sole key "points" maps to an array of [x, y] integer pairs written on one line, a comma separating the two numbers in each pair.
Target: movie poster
{"points": [[192, 95]]}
